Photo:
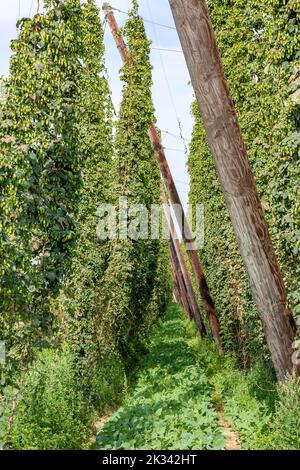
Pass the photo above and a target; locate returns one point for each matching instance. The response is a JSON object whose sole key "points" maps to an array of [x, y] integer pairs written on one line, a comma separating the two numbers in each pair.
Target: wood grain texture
{"points": [[182, 268], [116, 32], [176, 295], [224, 136], [178, 281]]}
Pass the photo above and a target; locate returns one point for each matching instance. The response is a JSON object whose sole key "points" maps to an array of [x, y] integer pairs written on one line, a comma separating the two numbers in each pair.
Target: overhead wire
{"points": [[167, 81], [19, 15], [166, 50], [160, 49], [171, 134], [30, 10], [145, 19], [104, 24]]}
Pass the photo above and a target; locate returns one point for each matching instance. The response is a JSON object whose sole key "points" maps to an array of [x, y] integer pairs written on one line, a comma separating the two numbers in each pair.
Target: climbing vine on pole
{"points": [[40, 163], [78, 303], [259, 53], [135, 283]]}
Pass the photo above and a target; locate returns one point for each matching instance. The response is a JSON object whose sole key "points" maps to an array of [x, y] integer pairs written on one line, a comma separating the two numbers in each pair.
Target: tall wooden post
{"points": [[223, 132], [174, 197], [176, 295], [192, 252], [178, 280], [183, 268]]}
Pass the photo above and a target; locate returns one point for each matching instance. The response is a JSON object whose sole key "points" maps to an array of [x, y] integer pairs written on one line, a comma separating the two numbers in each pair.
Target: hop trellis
{"points": [[40, 172], [57, 168], [259, 52]]}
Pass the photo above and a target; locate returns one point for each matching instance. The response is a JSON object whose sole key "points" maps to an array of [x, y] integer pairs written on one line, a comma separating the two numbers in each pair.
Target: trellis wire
{"points": [[146, 20], [167, 82]]}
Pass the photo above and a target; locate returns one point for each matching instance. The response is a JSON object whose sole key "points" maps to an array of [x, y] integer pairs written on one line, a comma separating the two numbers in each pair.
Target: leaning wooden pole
{"points": [[223, 132], [183, 268], [176, 295], [187, 237], [178, 280], [180, 272], [174, 196]]}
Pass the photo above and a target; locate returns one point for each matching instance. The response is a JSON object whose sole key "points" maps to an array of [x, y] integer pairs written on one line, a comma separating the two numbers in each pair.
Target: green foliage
{"points": [[2, 91], [286, 422], [39, 174], [135, 285], [100, 300], [59, 282], [54, 406], [234, 393], [259, 52], [277, 168], [78, 304], [51, 413], [170, 407], [239, 324], [265, 415], [107, 384]]}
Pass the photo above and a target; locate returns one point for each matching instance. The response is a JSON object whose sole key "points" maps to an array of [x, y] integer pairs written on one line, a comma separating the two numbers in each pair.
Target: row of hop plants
{"points": [[258, 45], [75, 310]]}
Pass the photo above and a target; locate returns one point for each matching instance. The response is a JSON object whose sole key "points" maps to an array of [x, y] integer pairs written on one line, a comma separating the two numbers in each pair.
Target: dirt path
{"points": [[232, 438], [97, 426]]}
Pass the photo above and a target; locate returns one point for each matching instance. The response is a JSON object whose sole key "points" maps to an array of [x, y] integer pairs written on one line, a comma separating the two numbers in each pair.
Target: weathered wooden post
{"points": [[192, 252], [224, 136], [178, 280], [174, 197], [176, 295], [183, 268]]}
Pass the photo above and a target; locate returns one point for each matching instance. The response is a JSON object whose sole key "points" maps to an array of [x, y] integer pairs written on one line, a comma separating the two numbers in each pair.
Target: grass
{"points": [[171, 406], [264, 414], [172, 403]]}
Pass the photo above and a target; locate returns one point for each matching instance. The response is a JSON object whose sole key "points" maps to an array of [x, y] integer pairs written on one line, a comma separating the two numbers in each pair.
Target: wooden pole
{"points": [[174, 197], [176, 297], [224, 136], [192, 252], [178, 280], [183, 268]]}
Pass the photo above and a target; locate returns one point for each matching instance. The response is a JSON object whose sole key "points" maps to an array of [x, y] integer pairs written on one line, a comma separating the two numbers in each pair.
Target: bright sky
{"points": [[172, 94]]}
